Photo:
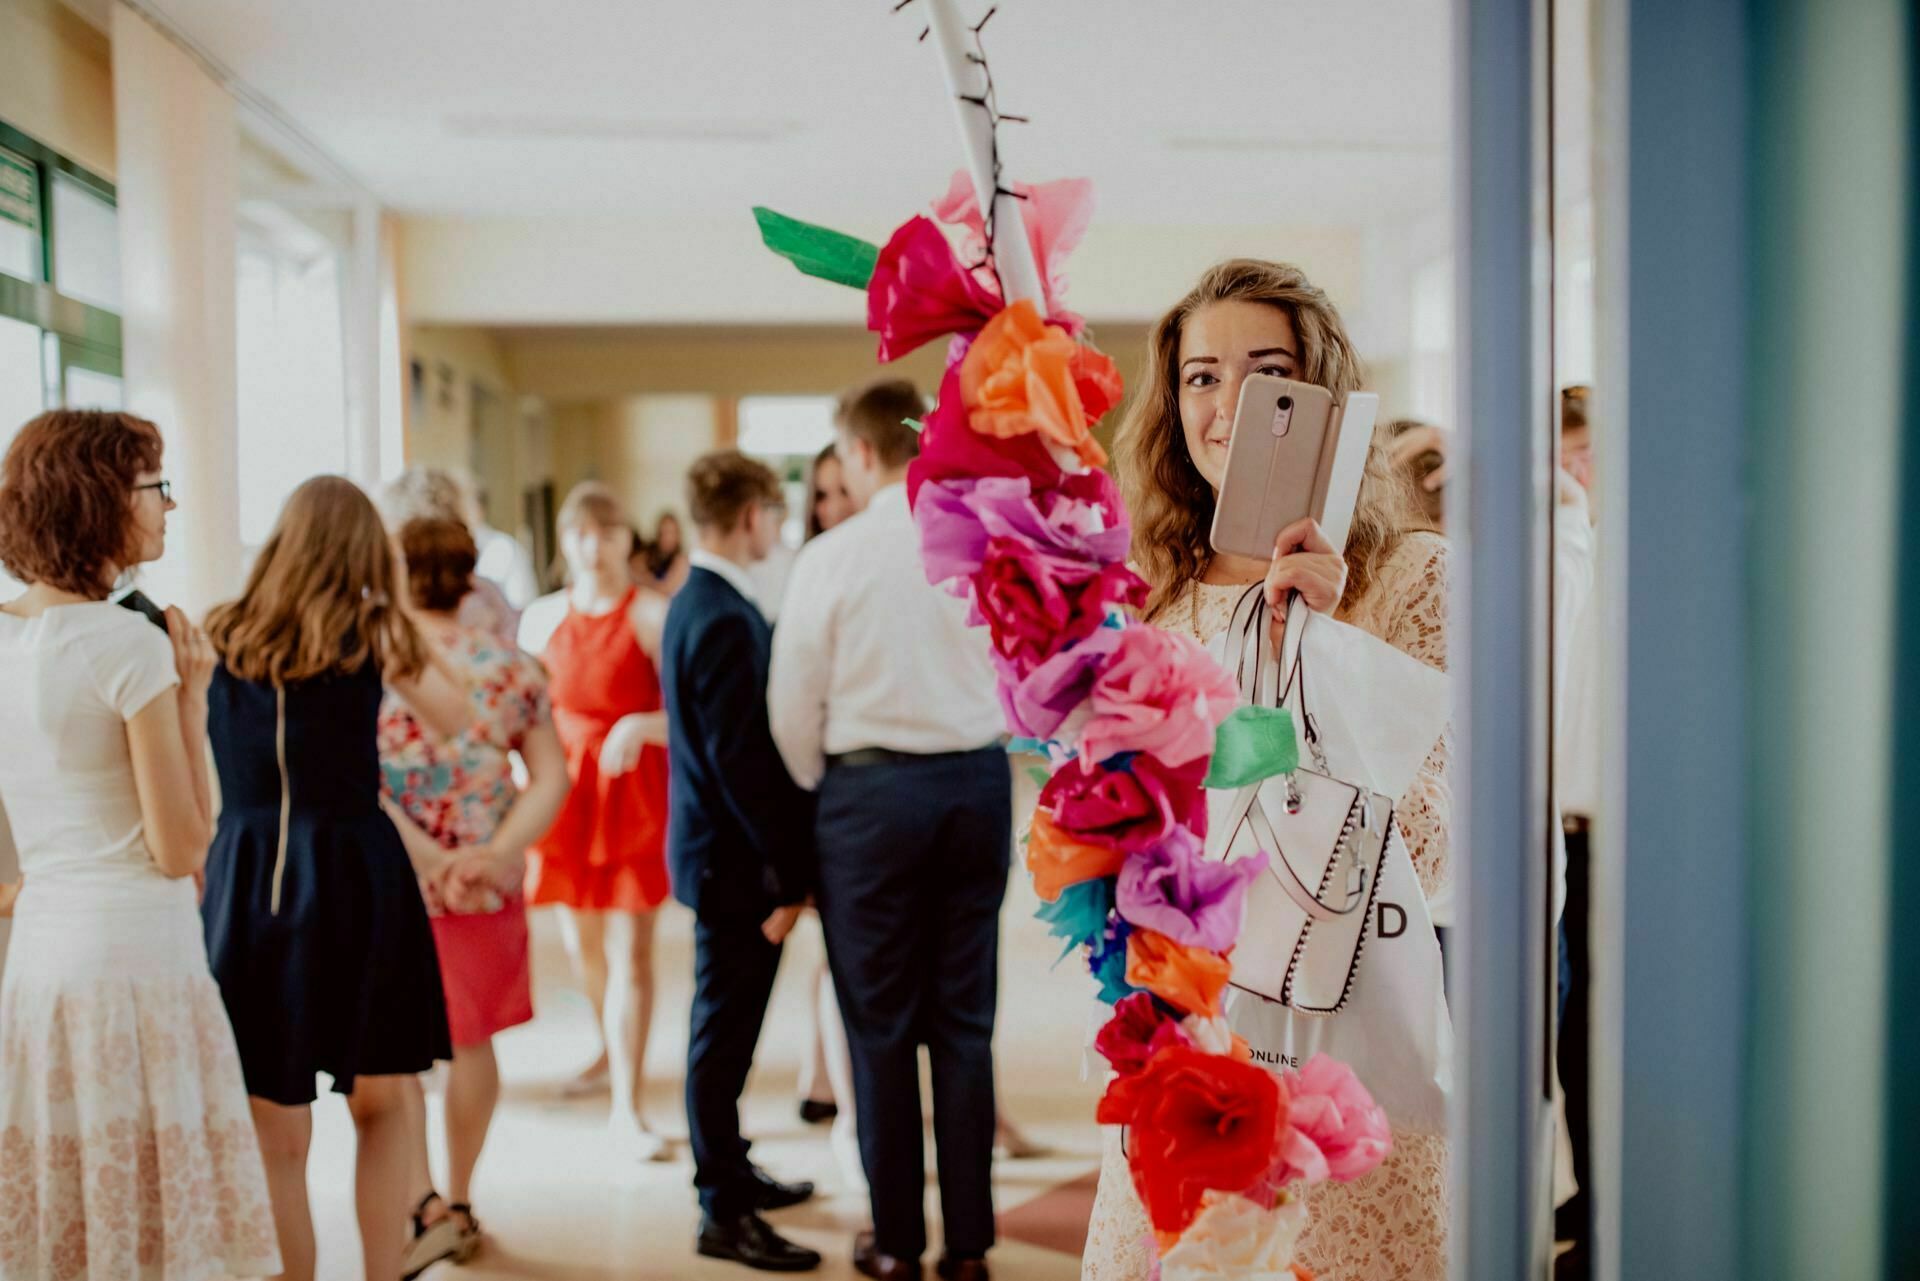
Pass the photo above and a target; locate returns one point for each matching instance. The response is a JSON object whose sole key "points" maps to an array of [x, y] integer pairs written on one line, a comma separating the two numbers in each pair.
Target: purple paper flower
{"points": [[1080, 519], [1040, 702], [1171, 889]]}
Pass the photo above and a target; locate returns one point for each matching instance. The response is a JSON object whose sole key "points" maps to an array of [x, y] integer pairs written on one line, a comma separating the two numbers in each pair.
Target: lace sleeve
{"points": [[1413, 619]]}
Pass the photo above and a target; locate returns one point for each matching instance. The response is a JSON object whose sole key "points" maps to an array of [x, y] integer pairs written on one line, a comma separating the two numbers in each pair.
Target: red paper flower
{"points": [[1037, 603], [1128, 808], [1138, 1030], [1197, 1121], [951, 450], [919, 291]]}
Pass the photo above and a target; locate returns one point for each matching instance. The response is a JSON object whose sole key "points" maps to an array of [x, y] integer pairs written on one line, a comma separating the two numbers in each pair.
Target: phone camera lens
{"points": [[1286, 402]]}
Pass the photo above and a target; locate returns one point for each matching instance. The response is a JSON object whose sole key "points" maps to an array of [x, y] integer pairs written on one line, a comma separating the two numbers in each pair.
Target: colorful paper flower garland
{"points": [[1130, 717]]}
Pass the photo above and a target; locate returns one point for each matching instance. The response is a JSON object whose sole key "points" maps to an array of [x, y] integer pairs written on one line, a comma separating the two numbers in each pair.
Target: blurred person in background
{"points": [[422, 492], [666, 555], [604, 859], [454, 802]]}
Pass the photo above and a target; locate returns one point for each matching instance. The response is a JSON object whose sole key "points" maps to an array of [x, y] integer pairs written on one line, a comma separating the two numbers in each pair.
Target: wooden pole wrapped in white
{"points": [[966, 78]]}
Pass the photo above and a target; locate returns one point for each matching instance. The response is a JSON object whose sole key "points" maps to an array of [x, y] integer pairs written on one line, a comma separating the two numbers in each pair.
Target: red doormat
{"points": [[1054, 1220]]}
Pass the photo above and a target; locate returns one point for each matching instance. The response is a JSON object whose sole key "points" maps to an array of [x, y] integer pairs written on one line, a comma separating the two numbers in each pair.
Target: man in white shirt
{"points": [[883, 699]]}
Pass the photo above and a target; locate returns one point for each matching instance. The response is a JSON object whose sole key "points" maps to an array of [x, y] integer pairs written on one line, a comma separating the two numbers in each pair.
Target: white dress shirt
{"points": [[742, 582], [503, 561], [770, 579], [870, 654]]}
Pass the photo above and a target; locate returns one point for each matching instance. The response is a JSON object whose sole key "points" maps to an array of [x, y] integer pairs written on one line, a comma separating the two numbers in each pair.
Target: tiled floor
{"points": [[559, 1202]]}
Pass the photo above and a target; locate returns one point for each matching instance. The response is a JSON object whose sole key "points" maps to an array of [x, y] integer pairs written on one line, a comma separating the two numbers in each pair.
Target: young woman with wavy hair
{"points": [[315, 925], [1244, 317]]}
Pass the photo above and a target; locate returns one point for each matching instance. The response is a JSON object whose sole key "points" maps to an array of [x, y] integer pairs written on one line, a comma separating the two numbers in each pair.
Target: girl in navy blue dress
{"points": [[315, 926]]}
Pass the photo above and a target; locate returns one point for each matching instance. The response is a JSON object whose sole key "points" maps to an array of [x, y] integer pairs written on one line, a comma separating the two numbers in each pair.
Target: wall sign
{"points": [[19, 191]]}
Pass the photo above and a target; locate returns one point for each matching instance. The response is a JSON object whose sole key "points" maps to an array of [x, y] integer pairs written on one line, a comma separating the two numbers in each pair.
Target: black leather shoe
{"points": [[750, 1240], [952, 1269], [775, 1195], [814, 1112], [869, 1262]]}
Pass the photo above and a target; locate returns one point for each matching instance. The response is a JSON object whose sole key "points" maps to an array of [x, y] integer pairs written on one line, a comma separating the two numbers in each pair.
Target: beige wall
{"points": [[640, 447], [731, 362], [632, 270], [56, 81], [503, 448]]}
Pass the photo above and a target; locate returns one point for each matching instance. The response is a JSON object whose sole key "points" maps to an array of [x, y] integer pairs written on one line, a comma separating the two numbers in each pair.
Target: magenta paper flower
{"points": [[1161, 694], [1335, 1129], [1038, 703], [950, 449], [1129, 808], [919, 291], [1037, 603], [1080, 518], [1138, 1030], [1056, 216], [1171, 888]]}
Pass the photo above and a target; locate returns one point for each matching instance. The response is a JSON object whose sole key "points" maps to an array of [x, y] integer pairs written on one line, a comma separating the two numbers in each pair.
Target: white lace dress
{"points": [[127, 1148], [1392, 1224]]}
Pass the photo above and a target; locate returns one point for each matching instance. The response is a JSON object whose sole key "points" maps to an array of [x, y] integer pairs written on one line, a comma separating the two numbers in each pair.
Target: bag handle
{"points": [[1249, 623]]}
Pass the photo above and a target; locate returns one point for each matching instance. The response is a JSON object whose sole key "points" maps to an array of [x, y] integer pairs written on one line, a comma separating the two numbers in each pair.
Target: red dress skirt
{"points": [[607, 851]]}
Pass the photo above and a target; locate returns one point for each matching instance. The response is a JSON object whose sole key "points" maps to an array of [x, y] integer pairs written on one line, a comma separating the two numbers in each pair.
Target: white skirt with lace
{"points": [[127, 1148], [1388, 1226]]}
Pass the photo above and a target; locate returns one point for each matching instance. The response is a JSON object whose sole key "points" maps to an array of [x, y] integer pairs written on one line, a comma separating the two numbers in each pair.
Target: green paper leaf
{"points": [[818, 251], [1252, 744], [1039, 775], [916, 424]]}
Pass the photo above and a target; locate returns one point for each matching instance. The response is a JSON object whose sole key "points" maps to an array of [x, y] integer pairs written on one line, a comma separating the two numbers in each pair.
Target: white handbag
{"points": [[1338, 954], [1325, 839]]}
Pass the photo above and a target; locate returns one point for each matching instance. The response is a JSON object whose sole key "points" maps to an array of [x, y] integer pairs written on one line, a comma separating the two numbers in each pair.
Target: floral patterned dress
{"points": [[1390, 1225], [457, 791]]}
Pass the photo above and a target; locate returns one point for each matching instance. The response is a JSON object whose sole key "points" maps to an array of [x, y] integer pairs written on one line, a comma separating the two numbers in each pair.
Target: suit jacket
{"points": [[740, 836]]}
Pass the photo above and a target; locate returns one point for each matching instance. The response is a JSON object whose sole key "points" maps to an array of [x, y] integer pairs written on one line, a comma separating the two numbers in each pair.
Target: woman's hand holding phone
{"points": [[1304, 561]]}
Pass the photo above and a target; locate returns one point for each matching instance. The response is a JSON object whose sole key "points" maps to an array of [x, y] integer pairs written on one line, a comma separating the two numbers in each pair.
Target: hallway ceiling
{"points": [[1229, 112]]}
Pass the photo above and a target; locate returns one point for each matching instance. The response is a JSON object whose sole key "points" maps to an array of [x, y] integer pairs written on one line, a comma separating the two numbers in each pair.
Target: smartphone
{"points": [[1278, 464], [138, 601]]}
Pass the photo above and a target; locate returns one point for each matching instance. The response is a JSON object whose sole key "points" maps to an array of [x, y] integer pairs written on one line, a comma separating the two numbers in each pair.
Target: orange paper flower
{"points": [[1057, 860], [1186, 977], [1023, 375]]}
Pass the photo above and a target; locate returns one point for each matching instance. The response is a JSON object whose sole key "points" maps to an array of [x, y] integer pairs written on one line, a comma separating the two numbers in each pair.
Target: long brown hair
{"points": [[325, 595], [1171, 502]]}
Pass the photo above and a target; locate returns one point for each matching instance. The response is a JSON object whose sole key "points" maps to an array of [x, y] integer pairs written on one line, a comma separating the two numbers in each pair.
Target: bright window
{"points": [[1432, 373], [781, 427], [86, 245], [292, 379], [21, 396]]}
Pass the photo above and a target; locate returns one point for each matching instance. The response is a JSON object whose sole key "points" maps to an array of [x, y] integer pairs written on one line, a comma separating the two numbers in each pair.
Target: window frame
{"points": [[88, 335]]}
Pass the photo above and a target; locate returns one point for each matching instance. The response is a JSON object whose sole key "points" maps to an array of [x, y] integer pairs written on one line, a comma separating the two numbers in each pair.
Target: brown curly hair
{"points": [[440, 557], [1172, 503], [66, 497], [323, 596]]}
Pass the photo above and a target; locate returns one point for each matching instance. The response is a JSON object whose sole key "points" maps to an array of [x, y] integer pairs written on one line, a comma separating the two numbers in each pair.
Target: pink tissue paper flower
{"points": [[1161, 694]]}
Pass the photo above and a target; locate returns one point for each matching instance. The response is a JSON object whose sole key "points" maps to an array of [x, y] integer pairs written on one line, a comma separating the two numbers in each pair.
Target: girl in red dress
{"points": [[604, 859]]}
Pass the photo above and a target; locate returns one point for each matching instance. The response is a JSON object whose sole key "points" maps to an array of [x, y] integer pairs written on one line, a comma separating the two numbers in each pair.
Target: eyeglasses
{"points": [[164, 486]]}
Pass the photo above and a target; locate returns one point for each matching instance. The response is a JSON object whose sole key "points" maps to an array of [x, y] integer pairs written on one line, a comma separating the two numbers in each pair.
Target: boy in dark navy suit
{"points": [[739, 843]]}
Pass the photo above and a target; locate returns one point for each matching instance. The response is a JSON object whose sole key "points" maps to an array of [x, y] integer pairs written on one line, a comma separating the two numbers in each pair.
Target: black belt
{"points": [[861, 756]]}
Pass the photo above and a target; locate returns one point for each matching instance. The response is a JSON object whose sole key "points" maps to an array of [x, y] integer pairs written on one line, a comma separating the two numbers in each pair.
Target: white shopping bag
{"points": [[1377, 714]]}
